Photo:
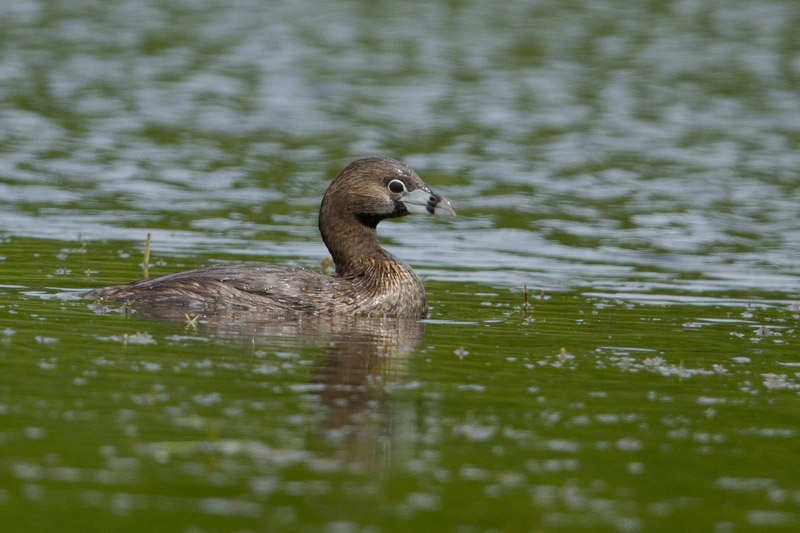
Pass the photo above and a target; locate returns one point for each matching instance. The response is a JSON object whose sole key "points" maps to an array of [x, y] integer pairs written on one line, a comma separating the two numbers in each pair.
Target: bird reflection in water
{"points": [[357, 373], [352, 381]]}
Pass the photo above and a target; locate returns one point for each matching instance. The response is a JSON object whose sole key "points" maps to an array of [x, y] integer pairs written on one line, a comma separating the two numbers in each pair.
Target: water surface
{"points": [[633, 166]]}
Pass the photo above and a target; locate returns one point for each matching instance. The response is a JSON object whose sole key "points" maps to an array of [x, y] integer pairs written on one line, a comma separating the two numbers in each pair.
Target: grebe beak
{"points": [[422, 201]]}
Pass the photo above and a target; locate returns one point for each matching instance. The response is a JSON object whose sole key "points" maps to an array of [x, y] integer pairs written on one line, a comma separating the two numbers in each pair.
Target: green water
{"points": [[573, 412], [633, 165]]}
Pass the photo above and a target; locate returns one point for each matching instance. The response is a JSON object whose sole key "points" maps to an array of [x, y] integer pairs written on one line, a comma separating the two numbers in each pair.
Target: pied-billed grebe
{"points": [[369, 281]]}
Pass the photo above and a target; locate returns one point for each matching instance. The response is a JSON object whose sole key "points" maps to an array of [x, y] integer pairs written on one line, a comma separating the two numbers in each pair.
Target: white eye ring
{"points": [[397, 187]]}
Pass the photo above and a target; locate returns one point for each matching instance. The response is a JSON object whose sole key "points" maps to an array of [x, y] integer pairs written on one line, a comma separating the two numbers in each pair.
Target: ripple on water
{"points": [[635, 167], [558, 183]]}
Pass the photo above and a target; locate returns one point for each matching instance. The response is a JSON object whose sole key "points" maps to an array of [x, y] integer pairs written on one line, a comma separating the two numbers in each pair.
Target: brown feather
{"points": [[369, 281]]}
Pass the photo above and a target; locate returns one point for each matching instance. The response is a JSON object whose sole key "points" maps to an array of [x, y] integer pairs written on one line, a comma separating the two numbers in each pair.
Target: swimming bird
{"points": [[369, 281]]}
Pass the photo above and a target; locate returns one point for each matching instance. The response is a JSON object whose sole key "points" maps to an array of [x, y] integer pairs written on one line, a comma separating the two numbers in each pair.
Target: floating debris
{"points": [[211, 398], [707, 400], [132, 338], [629, 444], [98, 308], [771, 433], [779, 382], [472, 387], [764, 331], [559, 445], [475, 432], [230, 507], [48, 364], [654, 361]]}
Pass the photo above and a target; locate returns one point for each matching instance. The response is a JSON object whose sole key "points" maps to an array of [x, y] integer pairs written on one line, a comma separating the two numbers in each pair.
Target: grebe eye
{"points": [[396, 186]]}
